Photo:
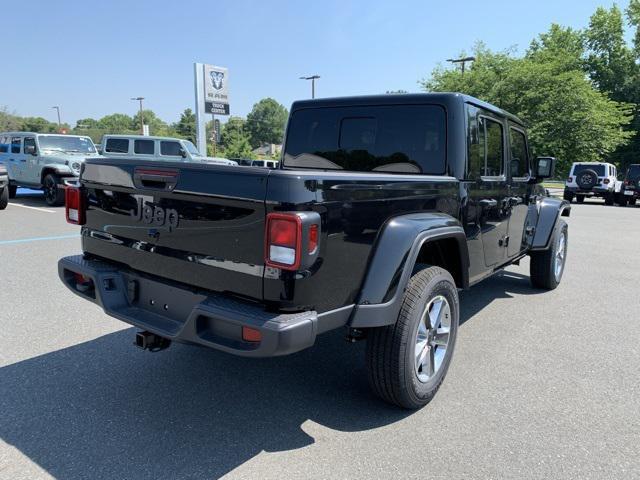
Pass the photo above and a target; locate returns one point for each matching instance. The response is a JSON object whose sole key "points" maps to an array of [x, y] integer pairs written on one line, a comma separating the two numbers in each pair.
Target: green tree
{"points": [[9, 121], [89, 123], [40, 125], [567, 117], [235, 139], [633, 15], [186, 126], [266, 122], [116, 123], [157, 126]]}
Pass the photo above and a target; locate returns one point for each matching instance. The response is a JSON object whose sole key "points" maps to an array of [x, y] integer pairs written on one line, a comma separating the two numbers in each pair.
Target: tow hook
{"points": [[354, 335], [151, 341]]}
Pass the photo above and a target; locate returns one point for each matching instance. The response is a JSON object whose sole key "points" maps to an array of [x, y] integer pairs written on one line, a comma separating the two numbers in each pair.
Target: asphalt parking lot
{"points": [[542, 385]]}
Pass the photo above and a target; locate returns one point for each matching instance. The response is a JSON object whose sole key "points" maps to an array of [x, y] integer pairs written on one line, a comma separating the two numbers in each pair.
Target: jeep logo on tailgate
{"points": [[154, 215]]}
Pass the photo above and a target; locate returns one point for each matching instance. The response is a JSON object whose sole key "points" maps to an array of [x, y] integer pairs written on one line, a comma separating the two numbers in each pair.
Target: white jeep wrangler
{"points": [[592, 179]]}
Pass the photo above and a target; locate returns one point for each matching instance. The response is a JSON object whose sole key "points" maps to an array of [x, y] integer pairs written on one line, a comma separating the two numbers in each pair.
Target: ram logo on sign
{"points": [[216, 90]]}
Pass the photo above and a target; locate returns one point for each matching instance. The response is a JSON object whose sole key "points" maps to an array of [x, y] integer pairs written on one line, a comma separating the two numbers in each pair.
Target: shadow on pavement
{"points": [[103, 409]]}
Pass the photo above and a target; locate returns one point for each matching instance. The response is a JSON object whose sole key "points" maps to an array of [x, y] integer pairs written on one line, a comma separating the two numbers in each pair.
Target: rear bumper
{"points": [[595, 191], [187, 316]]}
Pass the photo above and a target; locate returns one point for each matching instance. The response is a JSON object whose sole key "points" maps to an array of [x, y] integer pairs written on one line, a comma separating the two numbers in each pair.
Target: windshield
{"points": [[191, 148], [390, 139], [64, 143], [598, 168]]}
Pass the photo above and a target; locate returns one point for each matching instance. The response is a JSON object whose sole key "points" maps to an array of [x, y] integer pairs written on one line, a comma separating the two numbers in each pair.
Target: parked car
{"points": [[166, 149], [258, 262], [43, 161], [630, 190], [4, 187], [592, 179]]}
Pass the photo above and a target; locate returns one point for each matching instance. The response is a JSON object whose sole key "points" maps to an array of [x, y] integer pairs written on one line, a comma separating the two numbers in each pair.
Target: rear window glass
{"points": [[599, 169], [395, 139], [634, 172], [15, 144], [117, 145], [143, 147], [170, 148]]}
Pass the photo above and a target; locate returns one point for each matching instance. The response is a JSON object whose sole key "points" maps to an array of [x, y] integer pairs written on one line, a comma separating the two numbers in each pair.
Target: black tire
{"points": [[4, 198], [13, 190], [608, 198], [622, 200], [632, 201], [391, 351], [568, 196], [53, 194], [580, 198], [542, 268]]}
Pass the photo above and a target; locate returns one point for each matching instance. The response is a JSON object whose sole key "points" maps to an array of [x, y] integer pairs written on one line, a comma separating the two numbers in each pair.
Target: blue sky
{"points": [[91, 57]]}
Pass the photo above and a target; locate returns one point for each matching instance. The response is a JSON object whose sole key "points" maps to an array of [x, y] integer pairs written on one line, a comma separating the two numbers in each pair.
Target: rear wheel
{"points": [[547, 266], [407, 361], [4, 198], [622, 200], [580, 198], [632, 201], [568, 196], [13, 189], [53, 194]]}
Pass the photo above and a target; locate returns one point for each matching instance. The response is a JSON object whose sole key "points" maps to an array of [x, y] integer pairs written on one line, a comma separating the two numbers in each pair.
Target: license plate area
{"points": [[161, 299], [628, 192]]}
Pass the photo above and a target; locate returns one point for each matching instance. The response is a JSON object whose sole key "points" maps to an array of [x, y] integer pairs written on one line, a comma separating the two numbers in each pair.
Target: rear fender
{"points": [[549, 210], [393, 259]]}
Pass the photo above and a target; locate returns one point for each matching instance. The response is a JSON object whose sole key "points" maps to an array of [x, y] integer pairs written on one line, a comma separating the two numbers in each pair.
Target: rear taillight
{"points": [[605, 181], [570, 179], [283, 241], [75, 205], [626, 182], [312, 243]]}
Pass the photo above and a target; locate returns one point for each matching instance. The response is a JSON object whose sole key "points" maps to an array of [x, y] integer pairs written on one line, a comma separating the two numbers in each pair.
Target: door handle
{"points": [[488, 203], [23, 160]]}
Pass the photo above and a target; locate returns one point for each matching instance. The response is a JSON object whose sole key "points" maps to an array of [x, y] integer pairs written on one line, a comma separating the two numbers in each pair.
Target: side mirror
{"points": [[544, 167], [183, 153], [30, 150]]}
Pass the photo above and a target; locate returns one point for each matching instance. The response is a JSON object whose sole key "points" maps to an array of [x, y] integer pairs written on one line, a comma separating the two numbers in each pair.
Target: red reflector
{"points": [[79, 278], [74, 205], [251, 335], [606, 181], [313, 239], [570, 179]]}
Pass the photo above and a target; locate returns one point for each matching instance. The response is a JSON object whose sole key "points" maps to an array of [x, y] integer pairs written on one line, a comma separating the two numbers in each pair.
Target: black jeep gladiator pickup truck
{"points": [[381, 209]]}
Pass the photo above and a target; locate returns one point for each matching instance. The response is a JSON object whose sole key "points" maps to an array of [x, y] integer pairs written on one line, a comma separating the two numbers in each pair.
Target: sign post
{"points": [[212, 96]]}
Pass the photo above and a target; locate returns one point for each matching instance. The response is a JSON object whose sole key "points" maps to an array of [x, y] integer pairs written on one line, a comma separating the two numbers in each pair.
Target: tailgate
{"points": [[202, 225]]}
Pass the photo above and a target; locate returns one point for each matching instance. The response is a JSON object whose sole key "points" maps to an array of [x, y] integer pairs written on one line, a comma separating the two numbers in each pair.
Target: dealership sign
{"points": [[216, 90]]}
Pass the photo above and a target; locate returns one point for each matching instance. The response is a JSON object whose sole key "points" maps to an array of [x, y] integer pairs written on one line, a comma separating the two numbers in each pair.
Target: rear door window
{"points": [[389, 138], [144, 147], [4, 144], [170, 149], [117, 145], [598, 168]]}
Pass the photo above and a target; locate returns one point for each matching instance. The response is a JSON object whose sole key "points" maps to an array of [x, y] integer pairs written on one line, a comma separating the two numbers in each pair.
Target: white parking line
{"points": [[32, 208]]}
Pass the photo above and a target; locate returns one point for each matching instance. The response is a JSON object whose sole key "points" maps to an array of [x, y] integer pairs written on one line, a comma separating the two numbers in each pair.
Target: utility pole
{"points": [[140, 99], [313, 79], [461, 61], [57, 109]]}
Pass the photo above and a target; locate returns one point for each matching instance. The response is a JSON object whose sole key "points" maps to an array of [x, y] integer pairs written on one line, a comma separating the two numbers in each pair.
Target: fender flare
{"points": [[549, 210], [392, 262]]}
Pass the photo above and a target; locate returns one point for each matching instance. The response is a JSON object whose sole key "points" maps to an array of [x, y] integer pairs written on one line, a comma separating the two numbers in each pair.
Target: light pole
{"points": [[140, 99], [57, 109], [313, 79], [462, 61]]}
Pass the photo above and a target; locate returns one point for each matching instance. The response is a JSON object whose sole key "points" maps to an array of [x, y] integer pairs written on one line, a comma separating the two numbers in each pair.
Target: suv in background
{"points": [[43, 161], [591, 179], [630, 189], [156, 148]]}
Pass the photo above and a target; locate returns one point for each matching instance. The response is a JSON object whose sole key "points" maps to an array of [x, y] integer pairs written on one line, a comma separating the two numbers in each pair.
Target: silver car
{"points": [[43, 161]]}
